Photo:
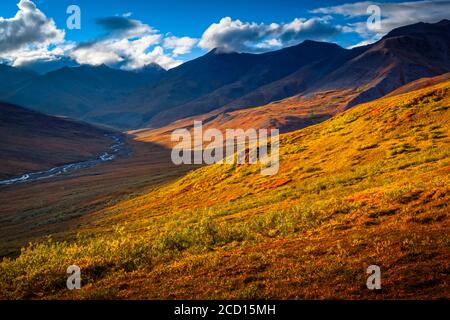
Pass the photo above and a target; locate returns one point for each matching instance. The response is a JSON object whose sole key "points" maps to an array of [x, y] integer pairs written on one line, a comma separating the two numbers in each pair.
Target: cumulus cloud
{"points": [[129, 54], [235, 35], [180, 45], [131, 45], [28, 36], [26, 57], [393, 14]]}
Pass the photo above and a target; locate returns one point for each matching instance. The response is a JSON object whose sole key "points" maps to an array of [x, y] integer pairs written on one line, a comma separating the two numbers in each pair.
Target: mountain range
{"points": [[76, 92], [227, 81]]}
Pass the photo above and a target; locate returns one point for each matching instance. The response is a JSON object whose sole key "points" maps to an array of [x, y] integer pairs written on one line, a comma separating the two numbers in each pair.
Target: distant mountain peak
{"points": [[319, 44], [314, 42], [102, 66], [151, 68], [221, 50], [443, 22], [305, 43], [419, 28]]}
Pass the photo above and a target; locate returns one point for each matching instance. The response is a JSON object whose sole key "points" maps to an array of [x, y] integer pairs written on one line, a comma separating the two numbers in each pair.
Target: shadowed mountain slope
{"points": [[13, 78], [404, 55], [218, 78], [32, 141], [82, 92]]}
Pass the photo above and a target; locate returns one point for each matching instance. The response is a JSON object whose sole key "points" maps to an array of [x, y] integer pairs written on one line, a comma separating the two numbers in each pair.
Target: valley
{"points": [[115, 150], [31, 141], [66, 200], [368, 186]]}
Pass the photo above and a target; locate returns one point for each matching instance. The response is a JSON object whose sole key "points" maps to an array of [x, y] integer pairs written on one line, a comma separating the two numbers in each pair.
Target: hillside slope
{"points": [[287, 115], [257, 71], [405, 54], [12, 78], [31, 141], [369, 186]]}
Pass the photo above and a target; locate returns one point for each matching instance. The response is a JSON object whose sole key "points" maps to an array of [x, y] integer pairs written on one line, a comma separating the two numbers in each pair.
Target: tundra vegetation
{"points": [[369, 186]]}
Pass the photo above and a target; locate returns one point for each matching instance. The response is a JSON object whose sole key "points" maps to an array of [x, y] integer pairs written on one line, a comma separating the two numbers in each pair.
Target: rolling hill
{"points": [[32, 141], [287, 115], [368, 186]]}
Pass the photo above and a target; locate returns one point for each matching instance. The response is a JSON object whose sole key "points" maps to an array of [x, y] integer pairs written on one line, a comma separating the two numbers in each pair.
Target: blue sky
{"points": [[133, 33], [177, 16]]}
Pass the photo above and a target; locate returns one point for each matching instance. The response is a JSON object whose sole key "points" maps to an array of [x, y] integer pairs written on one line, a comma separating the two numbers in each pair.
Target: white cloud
{"points": [[130, 53], [31, 37], [131, 45], [235, 35], [28, 35], [393, 14], [178, 45], [96, 54], [158, 56], [39, 54], [269, 44]]}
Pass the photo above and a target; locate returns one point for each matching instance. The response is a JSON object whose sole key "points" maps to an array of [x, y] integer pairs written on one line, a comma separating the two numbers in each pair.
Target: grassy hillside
{"points": [[369, 186], [287, 115]]}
